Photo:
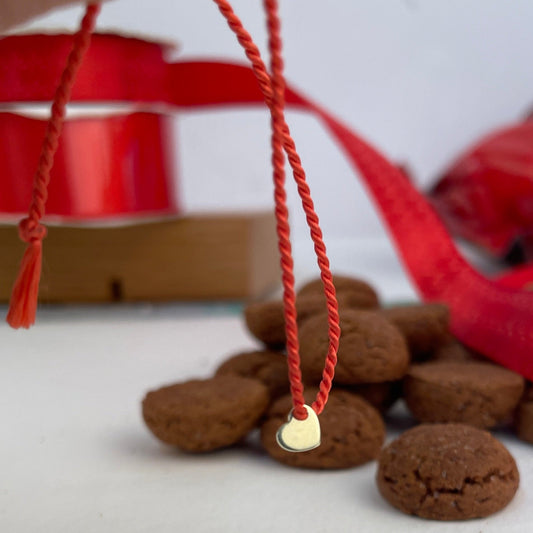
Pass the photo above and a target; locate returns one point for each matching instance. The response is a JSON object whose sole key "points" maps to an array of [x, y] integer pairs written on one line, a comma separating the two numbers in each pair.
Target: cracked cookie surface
{"points": [[447, 472]]}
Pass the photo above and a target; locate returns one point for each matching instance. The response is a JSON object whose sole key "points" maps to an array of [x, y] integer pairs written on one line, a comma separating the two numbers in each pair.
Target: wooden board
{"points": [[200, 257]]}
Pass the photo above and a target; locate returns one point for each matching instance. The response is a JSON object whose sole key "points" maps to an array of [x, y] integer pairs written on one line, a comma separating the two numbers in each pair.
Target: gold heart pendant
{"points": [[300, 435]]}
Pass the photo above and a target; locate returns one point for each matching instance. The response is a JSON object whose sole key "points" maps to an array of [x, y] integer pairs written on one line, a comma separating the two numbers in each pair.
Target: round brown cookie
{"points": [[266, 322], [315, 304], [453, 350], [203, 415], [268, 367], [475, 393], [447, 472], [310, 305], [425, 326], [524, 416], [352, 432], [358, 293], [371, 349], [381, 395]]}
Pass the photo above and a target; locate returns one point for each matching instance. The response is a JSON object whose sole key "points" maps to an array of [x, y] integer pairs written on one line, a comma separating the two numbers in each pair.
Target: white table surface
{"points": [[75, 455]]}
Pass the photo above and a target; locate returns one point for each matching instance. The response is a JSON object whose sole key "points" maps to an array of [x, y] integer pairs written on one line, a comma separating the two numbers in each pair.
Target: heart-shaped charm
{"points": [[300, 435]]}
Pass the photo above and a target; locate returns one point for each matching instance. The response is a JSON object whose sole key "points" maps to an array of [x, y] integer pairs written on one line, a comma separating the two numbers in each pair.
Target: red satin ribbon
{"points": [[32, 64], [496, 320]]}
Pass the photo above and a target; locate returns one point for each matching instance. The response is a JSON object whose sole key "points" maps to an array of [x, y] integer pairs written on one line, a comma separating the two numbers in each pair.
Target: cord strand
{"points": [[282, 213], [54, 125], [273, 90], [23, 303], [278, 104]]}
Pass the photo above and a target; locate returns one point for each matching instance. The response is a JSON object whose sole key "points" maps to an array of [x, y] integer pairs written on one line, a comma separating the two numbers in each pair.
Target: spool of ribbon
{"points": [[109, 163]]}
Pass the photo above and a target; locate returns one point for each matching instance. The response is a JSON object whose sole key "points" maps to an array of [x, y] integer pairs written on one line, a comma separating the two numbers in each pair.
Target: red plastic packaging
{"points": [[486, 196]]}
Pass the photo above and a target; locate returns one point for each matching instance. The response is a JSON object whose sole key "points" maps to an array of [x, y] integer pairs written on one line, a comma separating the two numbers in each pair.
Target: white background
{"points": [[420, 79]]}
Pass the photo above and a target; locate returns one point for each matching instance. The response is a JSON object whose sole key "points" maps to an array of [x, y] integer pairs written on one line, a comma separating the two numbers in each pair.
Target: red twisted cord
{"points": [[281, 130], [273, 92], [282, 213], [57, 116], [24, 296]]}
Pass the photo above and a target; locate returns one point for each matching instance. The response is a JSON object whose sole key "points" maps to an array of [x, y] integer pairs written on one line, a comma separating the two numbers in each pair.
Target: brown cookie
{"points": [[425, 326], [268, 367], [203, 415], [524, 416], [310, 305], [352, 432], [447, 472], [315, 304], [453, 350], [381, 395], [475, 393], [266, 322], [371, 349], [357, 293]]}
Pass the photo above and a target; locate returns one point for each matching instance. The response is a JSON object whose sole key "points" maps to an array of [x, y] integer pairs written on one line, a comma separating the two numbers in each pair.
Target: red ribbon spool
{"points": [[116, 165]]}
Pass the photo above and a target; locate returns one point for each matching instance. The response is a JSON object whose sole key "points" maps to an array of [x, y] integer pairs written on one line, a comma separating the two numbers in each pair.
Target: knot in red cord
{"points": [[31, 230], [300, 412]]}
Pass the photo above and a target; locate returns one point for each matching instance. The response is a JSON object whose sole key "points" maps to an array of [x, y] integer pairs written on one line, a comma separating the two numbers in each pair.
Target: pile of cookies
{"points": [[449, 467]]}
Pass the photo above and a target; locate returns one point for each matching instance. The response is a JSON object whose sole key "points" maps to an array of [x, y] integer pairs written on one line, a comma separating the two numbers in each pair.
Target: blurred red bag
{"points": [[486, 197]]}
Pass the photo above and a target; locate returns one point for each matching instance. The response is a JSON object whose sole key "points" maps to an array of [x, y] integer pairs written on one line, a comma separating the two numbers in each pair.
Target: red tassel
{"points": [[23, 304]]}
